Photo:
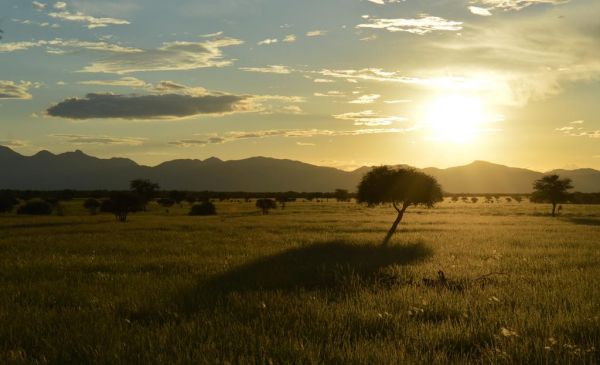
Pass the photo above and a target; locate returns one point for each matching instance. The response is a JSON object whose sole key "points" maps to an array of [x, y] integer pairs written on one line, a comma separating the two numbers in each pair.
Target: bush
{"points": [[92, 205], [205, 208], [7, 202], [35, 207]]}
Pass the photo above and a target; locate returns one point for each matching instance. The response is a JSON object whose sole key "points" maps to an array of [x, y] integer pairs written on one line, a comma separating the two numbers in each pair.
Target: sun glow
{"points": [[456, 118]]}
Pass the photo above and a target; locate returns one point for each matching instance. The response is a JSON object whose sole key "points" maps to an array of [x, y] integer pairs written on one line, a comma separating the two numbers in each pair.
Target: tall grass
{"points": [[309, 284]]}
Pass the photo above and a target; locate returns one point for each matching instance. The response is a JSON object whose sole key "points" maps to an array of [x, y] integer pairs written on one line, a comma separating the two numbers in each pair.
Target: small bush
{"points": [[7, 202], [92, 205], [205, 208], [35, 207]]}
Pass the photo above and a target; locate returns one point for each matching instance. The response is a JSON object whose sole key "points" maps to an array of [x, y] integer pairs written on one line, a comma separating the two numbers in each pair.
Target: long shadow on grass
{"points": [[585, 221], [332, 266], [316, 266]]}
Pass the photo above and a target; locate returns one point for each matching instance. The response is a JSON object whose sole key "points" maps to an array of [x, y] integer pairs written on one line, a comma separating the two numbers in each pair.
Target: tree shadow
{"points": [[331, 266], [584, 221]]}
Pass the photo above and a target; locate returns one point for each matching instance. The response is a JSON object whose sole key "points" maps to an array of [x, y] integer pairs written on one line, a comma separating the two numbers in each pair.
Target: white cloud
{"points": [[516, 4], [38, 6], [90, 21], [365, 99], [124, 81], [60, 5], [316, 33], [274, 69], [73, 43], [290, 38], [423, 25], [268, 41], [369, 118], [323, 81], [171, 56], [479, 11]]}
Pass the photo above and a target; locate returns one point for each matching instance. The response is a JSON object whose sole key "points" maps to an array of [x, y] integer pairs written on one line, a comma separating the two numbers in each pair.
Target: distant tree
{"points": [[92, 205], [166, 203], [508, 199], [517, 198], [454, 199], [551, 189], [464, 199], [145, 189], [65, 195], [282, 199], [474, 200], [35, 207], [177, 196], [341, 195], [7, 202], [122, 203], [401, 187], [191, 199], [265, 205], [204, 208]]}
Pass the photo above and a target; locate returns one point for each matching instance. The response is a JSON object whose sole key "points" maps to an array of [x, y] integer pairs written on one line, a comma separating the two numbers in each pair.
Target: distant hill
{"points": [[78, 171]]}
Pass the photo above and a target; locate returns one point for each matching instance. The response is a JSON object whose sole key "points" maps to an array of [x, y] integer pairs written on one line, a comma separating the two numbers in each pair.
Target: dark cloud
{"points": [[162, 106]]}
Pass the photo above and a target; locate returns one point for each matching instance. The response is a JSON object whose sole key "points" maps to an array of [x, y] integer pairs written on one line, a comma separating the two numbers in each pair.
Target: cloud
{"points": [[323, 81], [288, 133], [316, 33], [170, 57], [516, 4], [124, 81], [90, 21], [305, 144], [423, 25], [13, 143], [267, 41], [479, 11], [383, 2], [574, 129], [273, 69], [99, 46], [369, 118], [144, 107], [13, 90], [365, 99], [38, 6], [105, 140], [290, 38]]}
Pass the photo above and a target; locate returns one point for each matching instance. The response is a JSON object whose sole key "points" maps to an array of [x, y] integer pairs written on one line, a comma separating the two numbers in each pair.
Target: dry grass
{"points": [[305, 285]]}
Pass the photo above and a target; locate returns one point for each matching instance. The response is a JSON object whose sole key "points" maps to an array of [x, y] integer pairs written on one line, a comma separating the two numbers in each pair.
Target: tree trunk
{"points": [[392, 230], [554, 209]]}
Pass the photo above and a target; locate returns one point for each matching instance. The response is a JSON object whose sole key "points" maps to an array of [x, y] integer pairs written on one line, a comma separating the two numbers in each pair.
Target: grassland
{"points": [[307, 285]]}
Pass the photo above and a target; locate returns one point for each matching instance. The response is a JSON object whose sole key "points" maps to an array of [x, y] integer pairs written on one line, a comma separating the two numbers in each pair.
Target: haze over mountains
{"points": [[78, 171]]}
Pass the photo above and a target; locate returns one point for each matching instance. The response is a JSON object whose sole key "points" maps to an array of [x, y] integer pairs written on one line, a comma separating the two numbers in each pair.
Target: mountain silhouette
{"points": [[79, 171]]}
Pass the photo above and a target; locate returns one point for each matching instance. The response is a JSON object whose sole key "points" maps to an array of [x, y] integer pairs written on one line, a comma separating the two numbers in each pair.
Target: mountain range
{"points": [[78, 171]]}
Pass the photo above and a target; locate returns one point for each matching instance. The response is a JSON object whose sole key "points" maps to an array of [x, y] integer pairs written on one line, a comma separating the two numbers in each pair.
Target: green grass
{"points": [[305, 285]]}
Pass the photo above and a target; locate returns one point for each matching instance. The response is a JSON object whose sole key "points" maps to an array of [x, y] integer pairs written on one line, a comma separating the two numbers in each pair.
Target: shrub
{"points": [[204, 208], [7, 202], [35, 207], [92, 205], [265, 205]]}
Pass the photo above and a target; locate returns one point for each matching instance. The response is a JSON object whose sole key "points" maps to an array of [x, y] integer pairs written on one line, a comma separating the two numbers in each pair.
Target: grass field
{"points": [[309, 284]]}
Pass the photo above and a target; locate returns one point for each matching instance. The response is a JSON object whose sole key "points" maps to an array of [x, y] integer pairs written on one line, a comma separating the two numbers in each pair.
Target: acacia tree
{"points": [[122, 203], [402, 188], [265, 205], [341, 195], [551, 189], [145, 189]]}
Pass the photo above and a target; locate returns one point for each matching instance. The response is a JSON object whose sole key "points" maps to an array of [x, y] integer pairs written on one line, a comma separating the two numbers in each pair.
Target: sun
{"points": [[455, 118]]}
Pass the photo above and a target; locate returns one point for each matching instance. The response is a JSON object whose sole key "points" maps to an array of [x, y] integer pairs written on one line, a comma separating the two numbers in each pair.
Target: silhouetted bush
{"points": [[121, 204], [166, 203], [265, 205], [35, 207], [204, 208], [7, 202], [92, 205]]}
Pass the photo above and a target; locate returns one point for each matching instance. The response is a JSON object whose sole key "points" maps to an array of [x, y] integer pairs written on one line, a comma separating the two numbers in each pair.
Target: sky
{"points": [[341, 83]]}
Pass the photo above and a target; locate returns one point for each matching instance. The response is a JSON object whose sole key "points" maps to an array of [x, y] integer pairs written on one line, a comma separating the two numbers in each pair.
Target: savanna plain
{"points": [[462, 283]]}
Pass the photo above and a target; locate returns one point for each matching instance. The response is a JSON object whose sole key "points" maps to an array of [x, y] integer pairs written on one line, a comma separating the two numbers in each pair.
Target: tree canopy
{"points": [[551, 189], [401, 187]]}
